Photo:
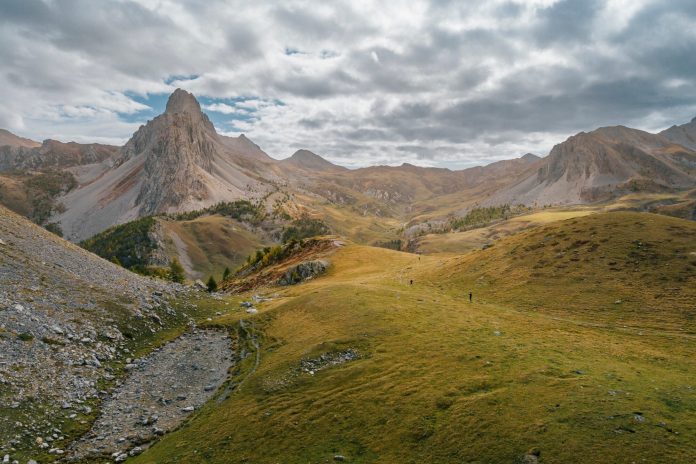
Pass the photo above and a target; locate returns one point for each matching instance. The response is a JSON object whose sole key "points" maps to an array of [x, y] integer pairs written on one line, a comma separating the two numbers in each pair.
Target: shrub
{"points": [[305, 227], [176, 271], [481, 216], [212, 285], [25, 336], [54, 227]]}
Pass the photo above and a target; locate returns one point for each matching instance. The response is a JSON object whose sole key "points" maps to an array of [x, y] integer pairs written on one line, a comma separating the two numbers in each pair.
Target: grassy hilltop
{"points": [[579, 346]]}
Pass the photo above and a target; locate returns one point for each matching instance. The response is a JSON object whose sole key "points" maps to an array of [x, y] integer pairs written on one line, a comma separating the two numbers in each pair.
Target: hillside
{"points": [[579, 342], [207, 245], [74, 313], [607, 162], [8, 138]]}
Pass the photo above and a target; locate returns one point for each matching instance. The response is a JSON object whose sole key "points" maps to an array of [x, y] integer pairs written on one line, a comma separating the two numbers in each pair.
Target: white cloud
{"points": [[225, 108], [441, 83]]}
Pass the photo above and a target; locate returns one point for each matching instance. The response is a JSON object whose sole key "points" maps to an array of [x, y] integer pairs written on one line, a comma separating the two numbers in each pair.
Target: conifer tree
{"points": [[176, 271], [212, 285]]}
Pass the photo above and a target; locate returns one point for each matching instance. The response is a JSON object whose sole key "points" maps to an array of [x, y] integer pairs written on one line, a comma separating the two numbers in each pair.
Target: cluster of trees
{"points": [[390, 244], [304, 227], [241, 210], [212, 284], [270, 255], [481, 216], [130, 245]]}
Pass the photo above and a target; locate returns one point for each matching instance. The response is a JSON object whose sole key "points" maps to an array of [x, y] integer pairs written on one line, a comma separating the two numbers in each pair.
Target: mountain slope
{"points": [[684, 134], [63, 310], [8, 138], [596, 165]]}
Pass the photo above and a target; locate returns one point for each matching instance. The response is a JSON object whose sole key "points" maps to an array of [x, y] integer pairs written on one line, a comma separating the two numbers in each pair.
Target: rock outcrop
{"points": [[303, 271]]}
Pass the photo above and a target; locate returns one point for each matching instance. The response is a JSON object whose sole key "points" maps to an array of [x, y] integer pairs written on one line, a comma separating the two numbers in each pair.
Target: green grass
{"points": [[543, 358]]}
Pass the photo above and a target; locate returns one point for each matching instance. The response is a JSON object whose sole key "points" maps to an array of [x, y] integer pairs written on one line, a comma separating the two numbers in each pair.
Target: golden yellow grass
{"points": [[545, 357], [213, 243]]}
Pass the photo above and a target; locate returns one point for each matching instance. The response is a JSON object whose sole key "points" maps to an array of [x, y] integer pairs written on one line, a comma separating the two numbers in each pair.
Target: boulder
{"points": [[303, 271]]}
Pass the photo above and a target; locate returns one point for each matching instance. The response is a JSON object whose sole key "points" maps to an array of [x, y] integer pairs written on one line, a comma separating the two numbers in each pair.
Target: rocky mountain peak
{"points": [[305, 154], [308, 160], [182, 101], [529, 157]]}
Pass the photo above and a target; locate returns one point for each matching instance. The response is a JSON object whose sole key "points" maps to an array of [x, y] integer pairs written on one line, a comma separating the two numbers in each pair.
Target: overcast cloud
{"points": [[443, 83]]}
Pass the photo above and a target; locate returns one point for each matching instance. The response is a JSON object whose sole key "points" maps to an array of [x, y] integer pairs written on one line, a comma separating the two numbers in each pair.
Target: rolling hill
{"points": [[589, 354]]}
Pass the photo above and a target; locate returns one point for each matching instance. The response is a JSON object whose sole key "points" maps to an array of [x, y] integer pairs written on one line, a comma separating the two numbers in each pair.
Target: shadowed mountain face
{"points": [[177, 162]]}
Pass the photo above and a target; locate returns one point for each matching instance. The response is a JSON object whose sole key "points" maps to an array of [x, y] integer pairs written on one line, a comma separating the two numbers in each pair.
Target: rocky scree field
{"points": [[72, 327]]}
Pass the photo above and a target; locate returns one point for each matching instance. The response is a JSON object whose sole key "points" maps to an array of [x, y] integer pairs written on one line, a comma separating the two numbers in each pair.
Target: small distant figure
{"points": [[410, 282], [471, 297]]}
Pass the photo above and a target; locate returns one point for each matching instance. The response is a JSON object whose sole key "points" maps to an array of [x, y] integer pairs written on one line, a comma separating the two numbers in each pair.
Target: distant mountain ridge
{"points": [[7, 138], [305, 159], [595, 165], [684, 135], [178, 162]]}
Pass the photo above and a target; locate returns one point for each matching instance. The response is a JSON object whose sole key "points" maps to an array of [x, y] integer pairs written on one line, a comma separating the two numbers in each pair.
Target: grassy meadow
{"points": [[578, 346]]}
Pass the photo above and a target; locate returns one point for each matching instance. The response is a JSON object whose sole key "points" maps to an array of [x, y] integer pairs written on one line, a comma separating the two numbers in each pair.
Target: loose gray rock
{"points": [[190, 368], [303, 271]]}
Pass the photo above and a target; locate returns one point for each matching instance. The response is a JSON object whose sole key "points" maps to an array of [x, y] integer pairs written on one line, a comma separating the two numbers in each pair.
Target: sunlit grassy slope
{"points": [[580, 343], [208, 244], [468, 240]]}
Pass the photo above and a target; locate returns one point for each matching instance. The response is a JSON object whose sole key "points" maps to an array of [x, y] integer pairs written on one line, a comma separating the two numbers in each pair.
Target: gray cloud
{"points": [[444, 83]]}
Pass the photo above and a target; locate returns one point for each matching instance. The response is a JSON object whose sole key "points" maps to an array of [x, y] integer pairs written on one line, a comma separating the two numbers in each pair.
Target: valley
{"points": [[187, 298]]}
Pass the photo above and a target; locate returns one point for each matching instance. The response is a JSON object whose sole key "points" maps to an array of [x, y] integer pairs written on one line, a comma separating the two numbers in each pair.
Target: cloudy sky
{"points": [[443, 83]]}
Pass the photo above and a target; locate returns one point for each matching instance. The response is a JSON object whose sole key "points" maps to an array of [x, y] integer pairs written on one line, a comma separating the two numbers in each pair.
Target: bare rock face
{"points": [[177, 145], [304, 271], [174, 163]]}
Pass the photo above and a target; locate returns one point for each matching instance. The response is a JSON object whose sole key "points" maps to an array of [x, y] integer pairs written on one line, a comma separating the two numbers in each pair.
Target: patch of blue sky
{"points": [[225, 113]]}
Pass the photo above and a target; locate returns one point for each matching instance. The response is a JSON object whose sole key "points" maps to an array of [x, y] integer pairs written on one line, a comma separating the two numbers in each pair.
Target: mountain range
{"points": [[177, 162]]}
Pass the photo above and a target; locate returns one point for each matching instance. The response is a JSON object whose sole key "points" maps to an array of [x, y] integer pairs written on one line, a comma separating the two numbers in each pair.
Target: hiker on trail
{"points": [[411, 282], [471, 297]]}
